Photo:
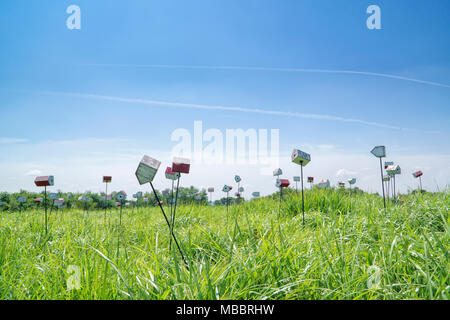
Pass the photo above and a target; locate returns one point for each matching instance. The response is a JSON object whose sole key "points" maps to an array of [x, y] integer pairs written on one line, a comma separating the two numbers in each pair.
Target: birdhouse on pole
{"points": [[301, 158]]}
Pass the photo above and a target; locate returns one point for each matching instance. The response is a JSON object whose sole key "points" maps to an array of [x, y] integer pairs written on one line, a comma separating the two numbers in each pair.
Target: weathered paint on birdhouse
{"points": [[181, 165], [352, 181], [282, 183], [38, 200], [300, 157], [237, 179], [277, 172], [107, 179], [210, 189], [171, 175], [417, 174], [227, 188], [310, 179], [147, 169], [379, 151], [44, 181], [296, 179]]}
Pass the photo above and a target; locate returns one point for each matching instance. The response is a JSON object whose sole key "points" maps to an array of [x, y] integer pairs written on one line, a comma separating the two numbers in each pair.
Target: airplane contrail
{"points": [[228, 108], [353, 72]]}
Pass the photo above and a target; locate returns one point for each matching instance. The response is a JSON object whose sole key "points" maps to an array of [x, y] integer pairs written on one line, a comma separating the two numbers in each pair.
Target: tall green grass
{"points": [[348, 248]]}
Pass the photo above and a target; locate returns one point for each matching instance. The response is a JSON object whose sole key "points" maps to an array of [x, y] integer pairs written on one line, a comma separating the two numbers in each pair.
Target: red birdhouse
{"points": [[181, 165], [107, 179], [310, 179], [282, 183], [171, 175], [44, 181], [418, 174]]}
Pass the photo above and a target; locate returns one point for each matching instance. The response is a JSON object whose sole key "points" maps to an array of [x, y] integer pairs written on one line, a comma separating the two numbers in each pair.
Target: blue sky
{"points": [[175, 51]]}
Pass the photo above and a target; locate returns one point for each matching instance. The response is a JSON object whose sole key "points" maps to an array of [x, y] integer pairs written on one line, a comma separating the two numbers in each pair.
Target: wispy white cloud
{"points": [[297, 70], [271, 112]]}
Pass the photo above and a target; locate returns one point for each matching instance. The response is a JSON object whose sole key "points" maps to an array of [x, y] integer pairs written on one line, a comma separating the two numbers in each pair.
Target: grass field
{"points": [[348, 248]]}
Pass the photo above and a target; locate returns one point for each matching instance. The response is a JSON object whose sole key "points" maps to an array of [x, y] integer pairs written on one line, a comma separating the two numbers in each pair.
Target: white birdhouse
{"points": [[147, 169], [300, 157], [394, 169], [277, 172], [388, 163]]}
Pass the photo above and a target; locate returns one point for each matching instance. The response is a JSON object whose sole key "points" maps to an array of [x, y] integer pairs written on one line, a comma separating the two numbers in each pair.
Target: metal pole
{"points": [[239, 192], [121, 205], [45, 205], [171, 201], [174, 210], [279, 205], [227, 203], [382, 185], [106, 198], [392, 186], [387, 187], [395, 193], [303, 197], [168, 224], [420, 180]]}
